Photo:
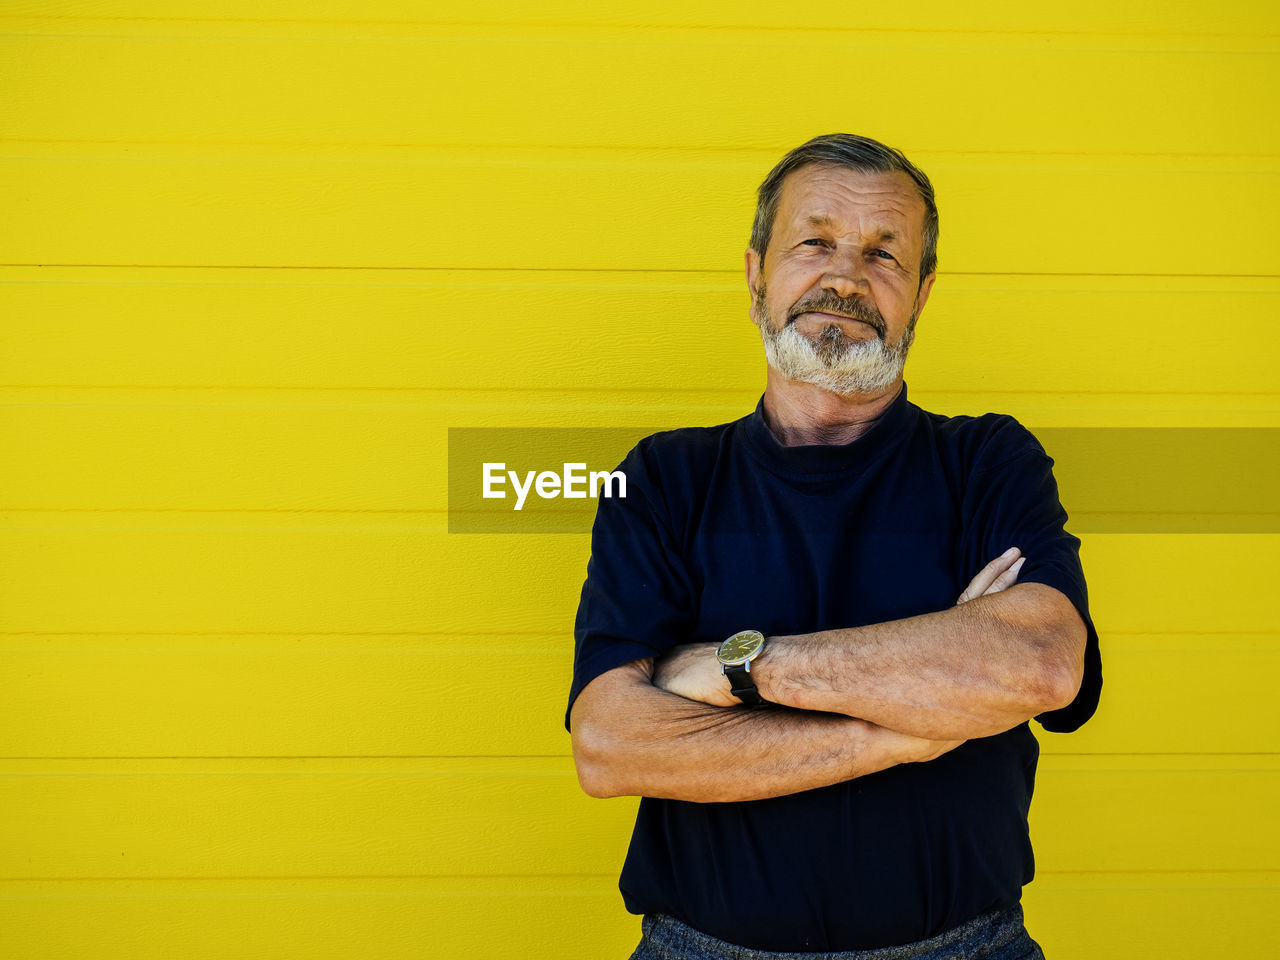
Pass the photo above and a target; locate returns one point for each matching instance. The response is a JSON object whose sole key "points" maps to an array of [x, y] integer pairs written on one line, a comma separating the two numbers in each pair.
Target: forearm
{"points": [[974, 670], [632, 739]]}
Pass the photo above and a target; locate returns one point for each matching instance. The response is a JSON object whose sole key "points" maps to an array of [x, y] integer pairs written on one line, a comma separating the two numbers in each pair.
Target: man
{"points": [[854, 772]]}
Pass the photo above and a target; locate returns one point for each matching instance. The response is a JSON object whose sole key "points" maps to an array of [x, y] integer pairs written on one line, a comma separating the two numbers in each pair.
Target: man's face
{"points": [[839, 291]]}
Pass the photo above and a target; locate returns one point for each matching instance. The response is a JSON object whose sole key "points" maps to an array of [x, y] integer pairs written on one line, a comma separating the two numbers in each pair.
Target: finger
{"points": [[1006, 579], [1000, 574], [987, 575]]}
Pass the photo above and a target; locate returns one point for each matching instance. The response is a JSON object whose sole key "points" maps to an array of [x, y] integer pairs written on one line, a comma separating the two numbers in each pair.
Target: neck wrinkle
{"points": [[806, 429]]}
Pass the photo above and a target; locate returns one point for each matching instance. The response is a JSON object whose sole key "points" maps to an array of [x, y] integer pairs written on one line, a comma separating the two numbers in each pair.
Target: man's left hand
{"points": [[692, 671]]}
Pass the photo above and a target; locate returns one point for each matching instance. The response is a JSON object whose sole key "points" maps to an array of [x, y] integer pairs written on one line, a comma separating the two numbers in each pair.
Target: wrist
{"points": [[768, 672], [802, 669], [736, 657]]}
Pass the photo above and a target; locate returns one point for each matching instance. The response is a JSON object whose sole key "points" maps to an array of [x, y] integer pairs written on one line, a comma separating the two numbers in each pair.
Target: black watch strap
{"points": [[744, 685]]}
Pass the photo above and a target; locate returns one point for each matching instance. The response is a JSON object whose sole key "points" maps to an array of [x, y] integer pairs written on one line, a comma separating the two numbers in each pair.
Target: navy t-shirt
{"points": [[723, 529]]}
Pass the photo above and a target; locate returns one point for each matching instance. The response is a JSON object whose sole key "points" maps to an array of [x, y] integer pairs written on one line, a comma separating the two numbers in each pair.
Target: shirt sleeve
{"points": [[1011, 500], [637, 601]]}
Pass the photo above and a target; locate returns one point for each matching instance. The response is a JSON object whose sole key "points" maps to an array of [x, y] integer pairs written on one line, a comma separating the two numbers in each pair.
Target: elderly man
{"points": [[812, 640]]}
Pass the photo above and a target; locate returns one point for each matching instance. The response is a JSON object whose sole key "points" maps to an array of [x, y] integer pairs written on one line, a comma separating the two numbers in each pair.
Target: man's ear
{"points": [[923, 295], [753, 282]]}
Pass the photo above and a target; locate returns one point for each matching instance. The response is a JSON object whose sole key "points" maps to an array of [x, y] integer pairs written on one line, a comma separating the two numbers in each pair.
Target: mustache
{"points": [[828, 302]]}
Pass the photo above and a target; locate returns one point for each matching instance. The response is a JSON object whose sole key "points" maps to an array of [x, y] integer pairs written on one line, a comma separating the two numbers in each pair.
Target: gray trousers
{"points": [[993, 936]]}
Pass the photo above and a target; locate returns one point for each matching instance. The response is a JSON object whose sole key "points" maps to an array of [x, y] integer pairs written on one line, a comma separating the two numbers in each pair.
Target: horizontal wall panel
{"points": [[696, 405], [300, 696], [277, 818], [1150, 683], [1167, 810], [471, 330], [257, 572], [543, 209], [391, 573], [1174, 916], [183, 696], [1176, 16], [503, 87], [251, 456], [370, 918], [282, 818]]}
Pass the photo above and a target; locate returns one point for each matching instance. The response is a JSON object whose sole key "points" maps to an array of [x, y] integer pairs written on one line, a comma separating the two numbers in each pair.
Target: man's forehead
{"points": [[823, 196], [823, 221]]}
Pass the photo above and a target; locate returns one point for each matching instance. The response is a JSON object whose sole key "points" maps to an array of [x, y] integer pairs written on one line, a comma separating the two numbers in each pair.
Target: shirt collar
{"points": [[826, 459]]}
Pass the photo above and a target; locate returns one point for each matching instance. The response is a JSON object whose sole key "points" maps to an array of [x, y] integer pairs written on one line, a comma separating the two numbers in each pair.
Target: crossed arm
{"points": [[863, 699]]}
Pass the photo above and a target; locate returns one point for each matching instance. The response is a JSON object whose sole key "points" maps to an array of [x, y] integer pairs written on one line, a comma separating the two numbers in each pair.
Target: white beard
{"points": [[833, 361]]}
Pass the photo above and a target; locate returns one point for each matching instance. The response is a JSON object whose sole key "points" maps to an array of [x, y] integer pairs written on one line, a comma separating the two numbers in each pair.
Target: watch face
{"points": [[741, 647]]}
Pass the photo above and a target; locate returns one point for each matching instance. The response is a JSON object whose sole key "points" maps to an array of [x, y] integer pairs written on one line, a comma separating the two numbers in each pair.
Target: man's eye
{"points": [[885, 254], [816, 241]]}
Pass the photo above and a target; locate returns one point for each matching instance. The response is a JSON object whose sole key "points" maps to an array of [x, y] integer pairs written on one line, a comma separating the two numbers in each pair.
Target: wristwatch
{"points": [[735, 656]]}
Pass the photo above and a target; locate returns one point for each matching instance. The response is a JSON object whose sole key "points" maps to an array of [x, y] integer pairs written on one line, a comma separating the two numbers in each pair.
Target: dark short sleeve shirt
{"points": [[725, 529]]}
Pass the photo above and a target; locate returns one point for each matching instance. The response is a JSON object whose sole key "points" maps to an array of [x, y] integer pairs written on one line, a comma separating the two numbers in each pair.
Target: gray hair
{"points": [[853, 153]]}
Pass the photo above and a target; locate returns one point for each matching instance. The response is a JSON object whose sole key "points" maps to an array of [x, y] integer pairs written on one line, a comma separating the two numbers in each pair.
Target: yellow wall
{"points": [[258, 257]]}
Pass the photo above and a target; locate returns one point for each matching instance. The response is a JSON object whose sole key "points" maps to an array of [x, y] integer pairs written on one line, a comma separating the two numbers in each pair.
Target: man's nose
{"points": [[846, 274]]}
